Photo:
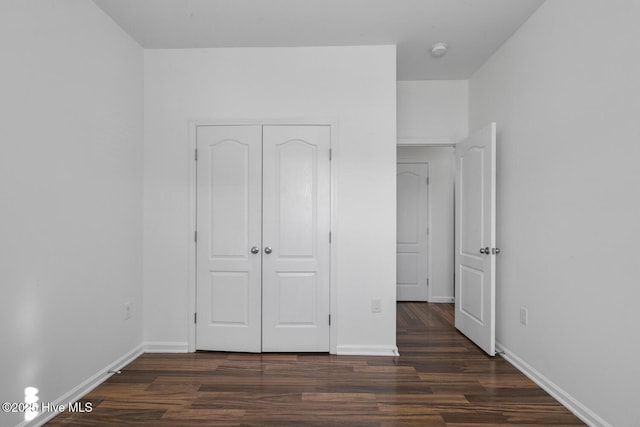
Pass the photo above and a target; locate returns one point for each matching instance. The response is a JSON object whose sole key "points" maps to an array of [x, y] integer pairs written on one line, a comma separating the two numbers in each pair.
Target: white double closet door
{"points": [[263, 242]]}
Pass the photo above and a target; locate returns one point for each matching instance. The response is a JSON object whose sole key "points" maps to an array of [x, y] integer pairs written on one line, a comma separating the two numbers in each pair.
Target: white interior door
{"points": [[229, 198], [412, 228], [296, 225], [475, 237]]}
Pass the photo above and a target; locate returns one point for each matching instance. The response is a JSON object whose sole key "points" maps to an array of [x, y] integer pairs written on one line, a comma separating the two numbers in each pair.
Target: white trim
{"points": [[191, 280], [367, 350], [166, 347], [438, 142], [442, 300], [86, 386], [265, 121], [191, 258], [562, 396], [411, 161], [335, 237]]}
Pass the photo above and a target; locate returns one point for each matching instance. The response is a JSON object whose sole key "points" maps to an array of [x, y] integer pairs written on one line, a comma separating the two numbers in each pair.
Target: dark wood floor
{"points": [[440, 379]]}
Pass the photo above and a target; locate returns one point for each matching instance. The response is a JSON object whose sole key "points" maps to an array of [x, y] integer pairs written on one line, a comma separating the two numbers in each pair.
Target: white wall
{"points": [[355, 86], [435, 109], [70, 196], [565, 94], [441, 215]]}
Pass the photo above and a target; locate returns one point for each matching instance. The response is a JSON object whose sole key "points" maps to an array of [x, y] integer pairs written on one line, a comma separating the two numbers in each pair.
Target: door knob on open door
{"points": [[255, 250], [267, 250], [484, 251]]}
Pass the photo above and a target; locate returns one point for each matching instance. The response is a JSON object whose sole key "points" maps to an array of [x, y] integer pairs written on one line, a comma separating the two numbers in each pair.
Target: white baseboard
{"points": [[367, 350], [572, 404], [165, 347], [441, 300], [86, 386]]}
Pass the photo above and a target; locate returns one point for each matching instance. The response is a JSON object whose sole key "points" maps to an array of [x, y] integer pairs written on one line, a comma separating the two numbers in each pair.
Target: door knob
{"points": [[495, 251], [255, 250], [484, 251], [267, 250]]}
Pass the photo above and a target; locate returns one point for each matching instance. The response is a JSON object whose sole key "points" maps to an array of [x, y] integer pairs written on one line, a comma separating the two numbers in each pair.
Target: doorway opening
{"points": [[474, 233], [425, 224]]}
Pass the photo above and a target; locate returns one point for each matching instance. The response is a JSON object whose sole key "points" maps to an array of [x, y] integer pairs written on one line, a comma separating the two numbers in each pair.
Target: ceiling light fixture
{"points": [[438, 50]]}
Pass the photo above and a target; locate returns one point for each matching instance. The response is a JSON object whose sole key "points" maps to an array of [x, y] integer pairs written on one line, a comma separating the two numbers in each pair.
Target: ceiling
{"points": [[473, 29]]}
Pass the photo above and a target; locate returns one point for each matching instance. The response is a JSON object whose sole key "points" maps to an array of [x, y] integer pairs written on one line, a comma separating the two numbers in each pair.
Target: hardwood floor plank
{"points": [[108, 418], [441, 379], [204, 415], [242, 399], [339, 397], [476, 417]]}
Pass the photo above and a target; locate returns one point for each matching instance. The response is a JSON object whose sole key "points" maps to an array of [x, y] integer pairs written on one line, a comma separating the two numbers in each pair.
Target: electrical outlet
{"points": [[127, 310], [376, 306], [524, 316]]}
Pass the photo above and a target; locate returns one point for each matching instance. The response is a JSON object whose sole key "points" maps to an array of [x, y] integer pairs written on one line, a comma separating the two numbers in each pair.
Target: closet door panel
{"points": [[296, 196], [229, 197]]}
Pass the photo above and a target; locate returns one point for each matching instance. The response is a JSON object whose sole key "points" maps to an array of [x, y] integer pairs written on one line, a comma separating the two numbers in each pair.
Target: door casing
{"points": [[192, 273], [428, 142]]}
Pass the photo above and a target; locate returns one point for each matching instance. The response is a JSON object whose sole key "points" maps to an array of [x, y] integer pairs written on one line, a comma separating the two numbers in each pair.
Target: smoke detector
{"points": [[438, 50]]}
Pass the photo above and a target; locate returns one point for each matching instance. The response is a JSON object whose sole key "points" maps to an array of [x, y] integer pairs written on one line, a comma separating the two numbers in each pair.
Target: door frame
{"points": [[429, 142], [333, 216]]}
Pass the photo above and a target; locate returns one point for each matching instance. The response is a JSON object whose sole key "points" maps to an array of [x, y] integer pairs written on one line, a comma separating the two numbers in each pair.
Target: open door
{"points": [[475, 247]]}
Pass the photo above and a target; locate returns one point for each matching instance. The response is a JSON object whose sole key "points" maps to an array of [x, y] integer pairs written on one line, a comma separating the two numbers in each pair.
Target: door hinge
{"points": [[195, 236], [329, 237], [196, 155], [329, 320], [195, 317], [427, 180], [330, 154]]}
